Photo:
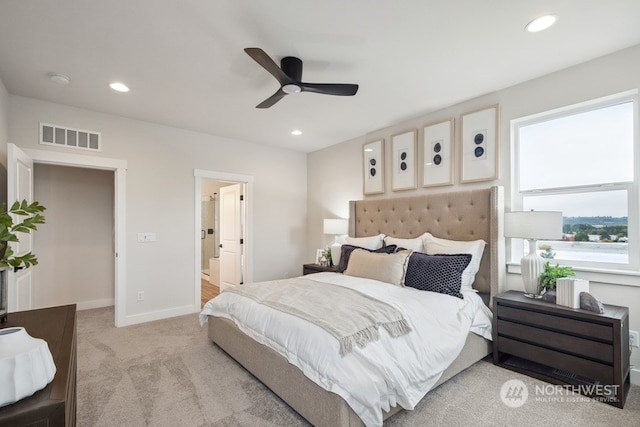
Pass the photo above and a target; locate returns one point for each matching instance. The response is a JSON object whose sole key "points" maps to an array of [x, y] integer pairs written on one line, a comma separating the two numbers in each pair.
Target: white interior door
{"points": [[19, 187], [231, 236]]}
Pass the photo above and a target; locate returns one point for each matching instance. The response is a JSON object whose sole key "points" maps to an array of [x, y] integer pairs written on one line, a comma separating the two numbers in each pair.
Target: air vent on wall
{"points": [[69, 137]]}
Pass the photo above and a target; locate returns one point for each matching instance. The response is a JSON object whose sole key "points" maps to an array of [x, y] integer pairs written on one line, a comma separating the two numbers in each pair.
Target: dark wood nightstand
{"points": [[317, 268], [54, 405], [589, 352]]}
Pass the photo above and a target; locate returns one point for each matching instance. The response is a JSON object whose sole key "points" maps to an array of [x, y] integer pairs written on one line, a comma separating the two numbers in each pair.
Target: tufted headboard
{"points": [[459, 215]]}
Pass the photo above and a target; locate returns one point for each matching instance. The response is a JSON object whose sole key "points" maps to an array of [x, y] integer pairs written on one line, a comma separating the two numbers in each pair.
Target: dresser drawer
{"points": [[580, 347], [557, 323], [566, 362]]}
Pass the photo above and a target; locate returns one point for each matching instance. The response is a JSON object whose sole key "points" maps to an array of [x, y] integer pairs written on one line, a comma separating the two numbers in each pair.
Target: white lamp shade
{"points": [[336, 226], [540, 225]]}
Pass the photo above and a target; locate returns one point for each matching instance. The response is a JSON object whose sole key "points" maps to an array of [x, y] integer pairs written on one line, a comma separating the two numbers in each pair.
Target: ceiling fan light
{"points": [[291, 88], [541, 23]]}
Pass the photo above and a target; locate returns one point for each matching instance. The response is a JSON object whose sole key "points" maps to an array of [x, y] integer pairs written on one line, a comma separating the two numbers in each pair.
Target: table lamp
{"points": [[533, 226], [336, 227]]}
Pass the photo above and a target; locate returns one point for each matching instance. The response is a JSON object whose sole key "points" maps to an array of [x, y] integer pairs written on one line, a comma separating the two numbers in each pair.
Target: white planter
{"points": [[26, 365]]}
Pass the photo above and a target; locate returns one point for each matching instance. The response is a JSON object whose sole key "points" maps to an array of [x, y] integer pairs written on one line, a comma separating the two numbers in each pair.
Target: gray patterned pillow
{"points": [[436, 273]]}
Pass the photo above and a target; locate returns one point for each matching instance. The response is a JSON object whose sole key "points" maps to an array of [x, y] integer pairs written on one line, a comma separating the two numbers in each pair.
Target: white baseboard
{"points": [[98, 303], [159, 315], [635, 376]]}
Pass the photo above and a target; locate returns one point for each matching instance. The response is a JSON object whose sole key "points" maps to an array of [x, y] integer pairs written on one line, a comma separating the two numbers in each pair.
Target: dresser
{"points": [[585, 351], [54, 405]]}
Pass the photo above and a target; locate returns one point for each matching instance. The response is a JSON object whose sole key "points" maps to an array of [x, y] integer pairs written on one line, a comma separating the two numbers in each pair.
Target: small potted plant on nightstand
{"points": [[549, 277]]}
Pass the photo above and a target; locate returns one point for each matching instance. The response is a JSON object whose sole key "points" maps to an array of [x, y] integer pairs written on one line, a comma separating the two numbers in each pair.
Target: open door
{"points": [[231, 236], [19, 187]]}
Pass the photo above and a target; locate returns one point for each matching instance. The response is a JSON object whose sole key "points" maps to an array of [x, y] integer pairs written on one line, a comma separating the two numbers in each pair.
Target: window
{"points": [[580, 160]]}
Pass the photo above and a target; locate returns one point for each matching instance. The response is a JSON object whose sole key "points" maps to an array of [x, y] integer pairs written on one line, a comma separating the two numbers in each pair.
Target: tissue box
{"points": [[568, 291]]}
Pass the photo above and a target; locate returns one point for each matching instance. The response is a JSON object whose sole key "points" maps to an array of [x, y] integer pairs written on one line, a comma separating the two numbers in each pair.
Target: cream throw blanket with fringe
{"points": [[350, 316]]}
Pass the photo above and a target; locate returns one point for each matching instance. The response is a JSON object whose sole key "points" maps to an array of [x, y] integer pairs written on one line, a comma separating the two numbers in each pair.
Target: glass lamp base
{"points": [[533, 296]]}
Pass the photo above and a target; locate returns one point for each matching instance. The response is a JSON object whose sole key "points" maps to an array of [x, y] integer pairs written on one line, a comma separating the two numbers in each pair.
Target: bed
{"points": [[458, 216]]}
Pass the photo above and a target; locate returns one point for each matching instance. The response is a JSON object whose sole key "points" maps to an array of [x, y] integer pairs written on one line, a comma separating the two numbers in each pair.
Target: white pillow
{"points": [[413, 244], [388, 268], [434, 246], [372, 242]]}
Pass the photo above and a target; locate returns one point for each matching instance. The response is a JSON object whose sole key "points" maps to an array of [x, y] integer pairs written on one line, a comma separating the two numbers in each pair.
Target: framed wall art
{"points": [[437, 154], [480, 144], [373, 167], [403, 157]]}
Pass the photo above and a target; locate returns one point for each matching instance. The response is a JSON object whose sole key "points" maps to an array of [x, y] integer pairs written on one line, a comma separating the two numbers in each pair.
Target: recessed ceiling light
{"points": [[120, 87], [58, 78], [296, 132], [541, 23]]}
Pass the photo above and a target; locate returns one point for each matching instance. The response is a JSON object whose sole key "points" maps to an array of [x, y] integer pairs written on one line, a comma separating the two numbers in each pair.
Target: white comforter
{"points": [[385, 373]]}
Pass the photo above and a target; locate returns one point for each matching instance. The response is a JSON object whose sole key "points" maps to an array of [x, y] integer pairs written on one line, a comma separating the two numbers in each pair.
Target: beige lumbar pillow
{"points": [[389, 268]]}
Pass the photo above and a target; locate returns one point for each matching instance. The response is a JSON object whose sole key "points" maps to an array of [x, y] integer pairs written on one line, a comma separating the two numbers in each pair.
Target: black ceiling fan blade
{"points": [[268, 64], [340, 89], [272, 99]]}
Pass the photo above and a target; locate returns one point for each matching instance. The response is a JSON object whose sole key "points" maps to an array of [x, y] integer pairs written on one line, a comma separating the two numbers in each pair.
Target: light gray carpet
{"points": [[167, 373]]}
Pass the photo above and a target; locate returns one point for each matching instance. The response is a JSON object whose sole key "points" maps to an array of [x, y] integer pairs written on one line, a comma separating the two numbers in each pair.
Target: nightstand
{"points": [[317, 268], [586, 351]]}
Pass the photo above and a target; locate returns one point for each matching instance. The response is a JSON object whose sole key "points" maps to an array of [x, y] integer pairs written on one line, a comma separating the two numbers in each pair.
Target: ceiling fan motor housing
{"points": [[292, 67]]}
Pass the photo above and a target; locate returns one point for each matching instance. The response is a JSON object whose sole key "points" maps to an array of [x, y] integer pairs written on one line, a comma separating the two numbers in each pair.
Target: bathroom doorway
{"points": [[223, 247]]}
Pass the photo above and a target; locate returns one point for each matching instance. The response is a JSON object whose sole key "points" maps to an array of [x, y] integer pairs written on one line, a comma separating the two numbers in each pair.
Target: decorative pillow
{"points": [[388, 268], [413, 244], [372, 242], [436, 273], [345, 253], [434, 245]]}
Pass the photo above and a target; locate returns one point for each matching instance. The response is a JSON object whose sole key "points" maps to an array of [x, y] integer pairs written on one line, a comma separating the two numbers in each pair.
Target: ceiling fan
{"points": [[289, 75]]}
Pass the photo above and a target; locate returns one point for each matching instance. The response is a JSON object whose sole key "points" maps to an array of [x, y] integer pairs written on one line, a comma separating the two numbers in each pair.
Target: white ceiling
{"points": [[185, 65]]}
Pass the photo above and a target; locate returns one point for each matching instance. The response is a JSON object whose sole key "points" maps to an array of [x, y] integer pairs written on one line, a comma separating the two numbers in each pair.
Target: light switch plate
{"points": [[146, 237]]}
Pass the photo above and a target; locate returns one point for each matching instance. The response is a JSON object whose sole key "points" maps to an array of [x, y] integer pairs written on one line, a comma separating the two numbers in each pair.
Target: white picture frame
{"points": [[480, 145], [438, 154], [319, 255], [403, 159], [373, 167]]}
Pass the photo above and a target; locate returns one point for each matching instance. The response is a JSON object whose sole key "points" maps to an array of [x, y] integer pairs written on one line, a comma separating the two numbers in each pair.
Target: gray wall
{"points": [[160, 188], [75, 247], [335, 173]]}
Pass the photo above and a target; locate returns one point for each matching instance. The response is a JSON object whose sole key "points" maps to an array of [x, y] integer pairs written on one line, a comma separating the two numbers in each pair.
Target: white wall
{"points": [[160, 198], [75, 247], [335, 173]]}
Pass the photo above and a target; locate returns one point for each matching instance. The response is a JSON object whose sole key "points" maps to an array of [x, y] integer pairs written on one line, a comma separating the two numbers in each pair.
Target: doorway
{"points": [[75, 246], [118, 168], [210, 231], [218, 267]]}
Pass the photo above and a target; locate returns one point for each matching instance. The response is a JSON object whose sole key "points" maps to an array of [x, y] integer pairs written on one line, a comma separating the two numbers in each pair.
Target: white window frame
{"points": [[602, 272]]}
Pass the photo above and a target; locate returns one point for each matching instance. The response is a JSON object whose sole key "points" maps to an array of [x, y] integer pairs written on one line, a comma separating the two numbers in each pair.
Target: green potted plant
{"points": [[327, 255], [552, 273], [31, 215]]}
